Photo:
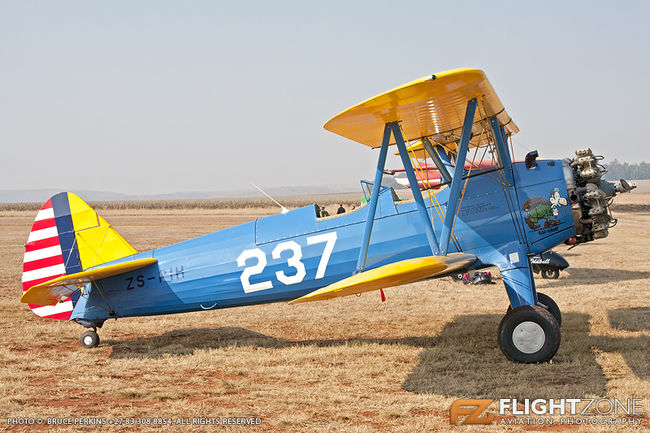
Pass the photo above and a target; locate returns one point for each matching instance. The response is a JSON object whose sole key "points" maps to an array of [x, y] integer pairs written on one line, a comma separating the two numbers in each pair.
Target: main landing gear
{"points": [[531, 333], [90, 339]]}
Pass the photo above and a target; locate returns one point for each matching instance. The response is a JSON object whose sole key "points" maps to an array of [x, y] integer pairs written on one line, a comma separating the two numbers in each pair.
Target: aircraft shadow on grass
{"points": [[466, 361], [598, 276], [463, 360], [630, 319]]}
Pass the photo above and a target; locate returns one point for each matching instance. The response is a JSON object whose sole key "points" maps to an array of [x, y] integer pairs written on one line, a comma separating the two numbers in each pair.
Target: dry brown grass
{"points": [[353, 364], [291, 202]]}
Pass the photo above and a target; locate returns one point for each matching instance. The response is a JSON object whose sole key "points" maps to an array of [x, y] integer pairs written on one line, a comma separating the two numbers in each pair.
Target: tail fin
{"points": [[68, 237]]}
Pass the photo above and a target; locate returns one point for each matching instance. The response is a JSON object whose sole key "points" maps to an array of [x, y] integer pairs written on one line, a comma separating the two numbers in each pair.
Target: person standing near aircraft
{"points": [[341, 209], [323, 212]]}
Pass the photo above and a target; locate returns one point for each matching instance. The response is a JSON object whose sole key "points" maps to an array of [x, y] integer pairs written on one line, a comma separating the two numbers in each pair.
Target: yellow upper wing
{"points": [[393, 274], [58, 289], [432, 106]]}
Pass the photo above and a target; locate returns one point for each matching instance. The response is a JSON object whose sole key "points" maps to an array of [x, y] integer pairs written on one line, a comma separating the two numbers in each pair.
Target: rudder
{"points": [[67, 237]]}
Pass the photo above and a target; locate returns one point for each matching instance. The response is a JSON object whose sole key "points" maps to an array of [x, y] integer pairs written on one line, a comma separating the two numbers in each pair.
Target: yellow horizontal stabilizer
{"points": [[433, 106], [58, 289], [394, 274]]}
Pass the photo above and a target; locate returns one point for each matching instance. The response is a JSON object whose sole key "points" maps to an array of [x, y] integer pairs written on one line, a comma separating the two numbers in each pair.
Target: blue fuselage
{"points": [[285, 256]]}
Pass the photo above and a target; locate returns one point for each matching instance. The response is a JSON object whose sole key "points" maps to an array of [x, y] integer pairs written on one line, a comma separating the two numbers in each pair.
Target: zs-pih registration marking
{"points": [[293, 261], [139, 280]]}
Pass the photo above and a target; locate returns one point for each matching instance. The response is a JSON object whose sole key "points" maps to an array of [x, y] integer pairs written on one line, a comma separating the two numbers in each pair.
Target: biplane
{"points": [[488, 211]]}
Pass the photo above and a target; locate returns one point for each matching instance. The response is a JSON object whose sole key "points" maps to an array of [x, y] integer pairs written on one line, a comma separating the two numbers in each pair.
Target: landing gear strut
{"points": [[90, 339]]}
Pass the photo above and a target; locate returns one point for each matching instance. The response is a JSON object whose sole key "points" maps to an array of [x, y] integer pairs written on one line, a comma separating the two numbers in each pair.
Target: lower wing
{"points": [[393, 274]]}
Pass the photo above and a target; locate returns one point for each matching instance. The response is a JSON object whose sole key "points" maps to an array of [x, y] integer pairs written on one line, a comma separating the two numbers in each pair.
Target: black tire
{"points": [[547, 302], [551, 274], [529, 334], [543, 300], [89, 339]]}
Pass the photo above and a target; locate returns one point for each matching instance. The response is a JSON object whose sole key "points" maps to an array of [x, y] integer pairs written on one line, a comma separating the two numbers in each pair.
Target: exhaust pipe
{"points": [[591, 195]]}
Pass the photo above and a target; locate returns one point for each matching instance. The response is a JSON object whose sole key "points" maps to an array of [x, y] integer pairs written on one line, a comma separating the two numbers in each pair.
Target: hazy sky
{"points": [[163, 96]]}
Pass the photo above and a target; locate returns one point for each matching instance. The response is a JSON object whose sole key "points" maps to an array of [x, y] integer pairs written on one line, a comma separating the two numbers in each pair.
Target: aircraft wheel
{"points": [[551, 274], [89, 339], [543, 300], [529, 334]]}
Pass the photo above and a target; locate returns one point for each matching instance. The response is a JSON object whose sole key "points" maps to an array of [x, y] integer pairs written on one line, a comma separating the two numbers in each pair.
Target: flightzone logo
{"points": [[473, 409], [563, 411]]}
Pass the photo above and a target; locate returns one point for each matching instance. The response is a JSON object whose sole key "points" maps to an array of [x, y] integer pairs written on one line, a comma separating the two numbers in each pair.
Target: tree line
{"points": [[622, 170]]}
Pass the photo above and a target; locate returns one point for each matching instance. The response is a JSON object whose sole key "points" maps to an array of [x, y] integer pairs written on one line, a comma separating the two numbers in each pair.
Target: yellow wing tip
{"points": [[297, 301]]}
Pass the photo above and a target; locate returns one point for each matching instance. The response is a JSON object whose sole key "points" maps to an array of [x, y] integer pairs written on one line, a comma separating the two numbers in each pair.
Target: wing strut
{"points": [[393, 128], [372, 206], [504, 154], [454, 191], [415, 187], [433, 154]]}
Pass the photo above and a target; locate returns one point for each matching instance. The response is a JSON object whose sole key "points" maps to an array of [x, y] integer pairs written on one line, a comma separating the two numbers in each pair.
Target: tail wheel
{"points": [[551, 274], [89, 339], [545, 301], [529, 334]]}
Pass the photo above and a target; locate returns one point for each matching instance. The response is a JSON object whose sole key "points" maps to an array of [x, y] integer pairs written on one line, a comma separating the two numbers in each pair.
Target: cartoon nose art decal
{"points": [[539, 208]]}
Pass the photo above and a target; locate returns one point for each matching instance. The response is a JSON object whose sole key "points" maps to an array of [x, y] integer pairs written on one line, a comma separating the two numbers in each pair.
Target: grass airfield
{"points": [[353, 364]]}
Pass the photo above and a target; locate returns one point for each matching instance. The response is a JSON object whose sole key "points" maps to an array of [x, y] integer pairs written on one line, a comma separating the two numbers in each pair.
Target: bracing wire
{"points": [[432, 196]]}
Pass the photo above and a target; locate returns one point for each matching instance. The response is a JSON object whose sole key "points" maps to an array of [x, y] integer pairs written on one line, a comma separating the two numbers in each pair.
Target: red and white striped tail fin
{"points": [[44, 261]]}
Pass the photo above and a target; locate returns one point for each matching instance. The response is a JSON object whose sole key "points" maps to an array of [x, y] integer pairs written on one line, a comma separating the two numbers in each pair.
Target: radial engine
{"points": [[591, 195]]}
